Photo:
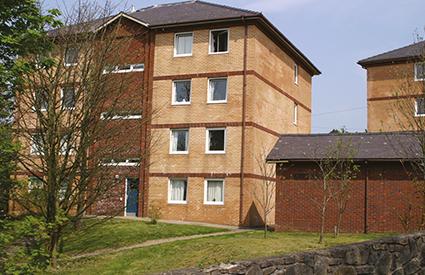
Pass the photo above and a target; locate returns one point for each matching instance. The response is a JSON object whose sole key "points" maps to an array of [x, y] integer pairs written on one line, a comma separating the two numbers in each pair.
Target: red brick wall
{"points": [[389, 192]]}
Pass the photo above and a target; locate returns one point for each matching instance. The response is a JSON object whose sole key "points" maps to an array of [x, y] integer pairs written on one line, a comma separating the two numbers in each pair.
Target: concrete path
{"points": [[154, 242]]}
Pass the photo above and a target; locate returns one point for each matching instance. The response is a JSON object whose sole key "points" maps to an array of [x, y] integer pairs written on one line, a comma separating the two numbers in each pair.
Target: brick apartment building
{"points": [[226, 83], [382, 195], [393, 76]]}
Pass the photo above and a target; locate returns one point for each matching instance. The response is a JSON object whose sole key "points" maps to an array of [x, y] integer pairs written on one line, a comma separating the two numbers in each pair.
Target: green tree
{"points": [[22, 32]]}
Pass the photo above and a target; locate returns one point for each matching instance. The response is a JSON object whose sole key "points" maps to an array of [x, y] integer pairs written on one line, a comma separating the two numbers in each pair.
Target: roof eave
{"points": [[388, 61]]}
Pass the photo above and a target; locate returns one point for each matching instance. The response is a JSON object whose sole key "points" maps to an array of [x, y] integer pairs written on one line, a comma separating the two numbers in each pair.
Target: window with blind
{"points": [[183, 44], [177, 191], [214, 191]]}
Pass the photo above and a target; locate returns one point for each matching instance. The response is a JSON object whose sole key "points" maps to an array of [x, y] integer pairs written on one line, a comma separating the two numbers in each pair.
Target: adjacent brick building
{"points": [[223, 84], [395, 88], [382, 196]]}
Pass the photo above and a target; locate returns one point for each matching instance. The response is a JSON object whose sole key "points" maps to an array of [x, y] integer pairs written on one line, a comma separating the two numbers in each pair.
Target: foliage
{"points": [[23, 246], [154, 213]]}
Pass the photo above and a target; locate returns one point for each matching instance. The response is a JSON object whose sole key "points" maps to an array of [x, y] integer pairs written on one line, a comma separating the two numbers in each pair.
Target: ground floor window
{"points": [[420, 106], [214, 191], [177, 191]]}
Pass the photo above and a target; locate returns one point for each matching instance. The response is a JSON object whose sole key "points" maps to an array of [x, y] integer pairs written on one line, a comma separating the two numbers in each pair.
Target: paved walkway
{"points": [[154, 242]]}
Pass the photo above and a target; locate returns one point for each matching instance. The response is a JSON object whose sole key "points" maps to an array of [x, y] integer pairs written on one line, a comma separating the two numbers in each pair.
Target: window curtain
{"points": [[184, 44], [215, 191], [178, 190]]}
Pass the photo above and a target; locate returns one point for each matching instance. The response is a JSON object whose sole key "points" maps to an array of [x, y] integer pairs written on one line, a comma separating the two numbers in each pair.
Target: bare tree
{"points": [[264, 194], [407, 112], [74, 117]]}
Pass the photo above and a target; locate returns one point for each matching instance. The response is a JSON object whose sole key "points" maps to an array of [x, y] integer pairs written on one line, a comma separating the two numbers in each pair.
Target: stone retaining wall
{"points": [[399, 255]]}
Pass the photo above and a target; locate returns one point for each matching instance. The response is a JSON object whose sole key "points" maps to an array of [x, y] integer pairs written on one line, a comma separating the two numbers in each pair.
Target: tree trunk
{"points": [[265, 225], [52, 248], [322, 222]]}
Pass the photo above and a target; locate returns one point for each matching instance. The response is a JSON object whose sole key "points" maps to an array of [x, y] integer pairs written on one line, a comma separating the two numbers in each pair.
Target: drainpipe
{"points": [[366, 180], [242, 168]]}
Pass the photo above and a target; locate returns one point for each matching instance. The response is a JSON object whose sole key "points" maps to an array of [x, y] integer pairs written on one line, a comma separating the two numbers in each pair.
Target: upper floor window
{"points": [[295, 114], [183, 44], [420, 71], [296, 73], [219, 41], [177, 191], [127, 68], [71, 56], [36, 147], [41, 101], [420, 106], [114, 115], [216, 141], [68, 98], [181, 92], [34, 183], [179, 141], [217, 90]]}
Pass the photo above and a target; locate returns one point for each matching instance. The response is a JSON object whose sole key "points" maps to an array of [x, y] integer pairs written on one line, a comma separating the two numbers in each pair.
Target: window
{"points": [[216, 141], [214, 191], [177, 191], [179, 141], [120, 115], [124, 68], [420, 71], [41, 101], [183, 44], [296, 73], [68, 98], [219, 41], [34, 183], [71, 56], [121, 162], [295, 114], [217, 90], [36, 144], [420, 106], [181, 92]]}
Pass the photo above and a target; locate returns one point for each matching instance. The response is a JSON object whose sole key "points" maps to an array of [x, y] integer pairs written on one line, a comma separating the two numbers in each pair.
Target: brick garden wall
{"points": [[388, 190], [395, 255]]}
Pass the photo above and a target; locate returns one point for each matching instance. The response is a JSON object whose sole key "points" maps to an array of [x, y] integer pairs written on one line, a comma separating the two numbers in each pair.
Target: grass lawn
{"points": [[204, 252], [119, 232]]}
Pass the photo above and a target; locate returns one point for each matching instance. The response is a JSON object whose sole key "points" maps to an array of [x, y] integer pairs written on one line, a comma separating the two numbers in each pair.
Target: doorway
{"points": [[132, 196]]}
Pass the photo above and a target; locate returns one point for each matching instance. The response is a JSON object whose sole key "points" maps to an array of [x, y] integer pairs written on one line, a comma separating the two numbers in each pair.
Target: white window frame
{"points": [[31, 186], [187, 142], [295, 114], [41, 109], [206, 202], [62, 103], [416, 107], [296, 73], [173, 93], [121, 117], [33, 150], [70, 64], [169, 191], [209, 94], [210, 41], [115, 70], [416, 71], [175, 44], [207, 141]]}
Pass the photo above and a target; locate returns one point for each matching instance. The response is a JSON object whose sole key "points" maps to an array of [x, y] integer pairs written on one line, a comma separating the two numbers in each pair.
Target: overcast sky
{"points": [[334, 35]]}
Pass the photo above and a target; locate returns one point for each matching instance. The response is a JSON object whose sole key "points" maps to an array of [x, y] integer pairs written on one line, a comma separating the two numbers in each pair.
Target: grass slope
{"points": [[204, 252], [118, 233]]}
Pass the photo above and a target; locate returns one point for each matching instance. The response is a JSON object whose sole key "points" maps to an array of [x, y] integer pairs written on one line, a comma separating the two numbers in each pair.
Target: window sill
{"points": [[177, 202], [179, 153], [215, 152], [214, 203], [419, 79], [182, 55], [70, 64], [217, 102], [180, 104], [419, 115], [215, 53]]}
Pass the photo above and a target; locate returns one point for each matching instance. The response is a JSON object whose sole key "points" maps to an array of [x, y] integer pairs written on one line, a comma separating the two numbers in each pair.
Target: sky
{"points": [[334, 35]]}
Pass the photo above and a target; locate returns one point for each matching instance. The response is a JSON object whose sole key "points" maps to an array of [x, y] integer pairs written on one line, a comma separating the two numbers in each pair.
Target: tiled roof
{"points": [[392, 146], [189, 11], [410, 52]]}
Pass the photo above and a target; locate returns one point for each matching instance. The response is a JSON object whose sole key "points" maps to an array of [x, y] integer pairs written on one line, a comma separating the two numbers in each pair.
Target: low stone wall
{"points": [[399, 255]]}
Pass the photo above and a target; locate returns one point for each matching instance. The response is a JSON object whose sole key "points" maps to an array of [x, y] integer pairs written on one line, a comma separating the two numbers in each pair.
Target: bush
{"points": [[154, 213], [23, 246]]}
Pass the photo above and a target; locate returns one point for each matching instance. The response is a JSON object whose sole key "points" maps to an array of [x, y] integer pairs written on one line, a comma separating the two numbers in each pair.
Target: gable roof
{"points": [[411, 52], [391, 146], [188, 11]]}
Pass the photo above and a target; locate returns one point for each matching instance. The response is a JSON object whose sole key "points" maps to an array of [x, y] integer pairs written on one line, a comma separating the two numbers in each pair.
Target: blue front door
{"points": [[132, 196]]}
